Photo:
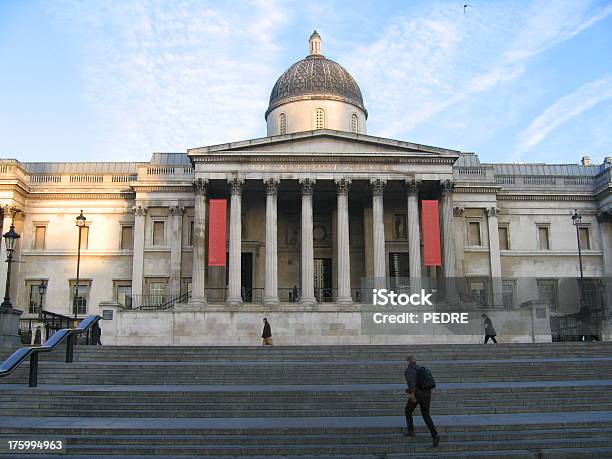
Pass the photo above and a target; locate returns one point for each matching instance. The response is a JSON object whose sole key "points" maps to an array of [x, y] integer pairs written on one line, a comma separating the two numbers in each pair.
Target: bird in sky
{"points": [[466, 6]]}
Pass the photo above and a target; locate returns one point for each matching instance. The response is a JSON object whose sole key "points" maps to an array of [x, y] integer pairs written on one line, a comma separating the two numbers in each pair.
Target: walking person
{"points": [[37, 337], [267, 333], [420, 383], [96, 334], [489, 330]]}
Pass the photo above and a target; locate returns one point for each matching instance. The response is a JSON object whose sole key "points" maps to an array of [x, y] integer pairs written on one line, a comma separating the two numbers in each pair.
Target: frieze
{"points": [[338, 161]]}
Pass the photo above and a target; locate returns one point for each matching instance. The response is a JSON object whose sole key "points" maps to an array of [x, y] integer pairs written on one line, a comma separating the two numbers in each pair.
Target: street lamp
{"points": [[42, 288], [80, 223], [10, 238], [576, 221]]}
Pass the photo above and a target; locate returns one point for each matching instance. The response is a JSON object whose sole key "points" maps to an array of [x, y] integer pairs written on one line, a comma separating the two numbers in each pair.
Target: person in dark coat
{"points": [[295, 295], [267, 333], [96, 334], [418, 397], [489, 330], [38, 337]]}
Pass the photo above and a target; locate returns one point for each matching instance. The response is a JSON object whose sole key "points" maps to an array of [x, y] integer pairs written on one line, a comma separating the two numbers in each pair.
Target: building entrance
{"points": [[323, 280]]}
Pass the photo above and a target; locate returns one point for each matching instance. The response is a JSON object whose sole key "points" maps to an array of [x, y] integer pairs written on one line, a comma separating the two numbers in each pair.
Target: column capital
{"points": [[604, 217], [448, 187], [412, 186], [9, 211], [200, 186], [176, 210], [458, 211], [343, 184], [139, 210], [272, 184], [377, 186], [493, 212], [307, 185], [236, 184]]}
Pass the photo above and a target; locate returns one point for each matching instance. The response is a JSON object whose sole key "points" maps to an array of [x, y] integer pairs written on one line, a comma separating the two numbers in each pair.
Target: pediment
{"points": [[323, 142]]}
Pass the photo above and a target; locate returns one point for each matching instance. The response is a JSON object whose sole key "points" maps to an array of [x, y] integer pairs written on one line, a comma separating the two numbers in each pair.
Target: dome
{"points": [[315, 77]]}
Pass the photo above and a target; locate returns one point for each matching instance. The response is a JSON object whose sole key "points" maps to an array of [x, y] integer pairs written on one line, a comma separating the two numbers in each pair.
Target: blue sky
{"points": [[92, 80]]}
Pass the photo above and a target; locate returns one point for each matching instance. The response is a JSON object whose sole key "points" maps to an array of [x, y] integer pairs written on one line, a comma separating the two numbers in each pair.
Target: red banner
{"points": [[430, 224], [217, 232]]}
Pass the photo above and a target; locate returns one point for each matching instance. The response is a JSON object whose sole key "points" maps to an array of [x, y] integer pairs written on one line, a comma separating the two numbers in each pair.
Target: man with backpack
{"points": [[420, 383]]}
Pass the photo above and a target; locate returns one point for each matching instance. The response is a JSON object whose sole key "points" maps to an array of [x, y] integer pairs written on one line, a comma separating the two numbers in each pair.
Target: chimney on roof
{"points": [[585, 161]]}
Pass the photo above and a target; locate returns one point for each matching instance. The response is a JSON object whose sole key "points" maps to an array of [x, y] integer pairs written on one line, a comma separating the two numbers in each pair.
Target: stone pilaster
{"points": [[307, 243], [140, 213], [449, 262], [234, 284], [271, 280], [378, 231], [494, 256], [175, 221], [342, 235], [198, 271], [414, 233]]}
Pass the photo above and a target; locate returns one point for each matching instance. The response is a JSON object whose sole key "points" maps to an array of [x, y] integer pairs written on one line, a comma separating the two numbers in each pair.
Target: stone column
{"points": [[494, 256], [414, 234], [605, 228], [140, 213], [176, 247], [342, 237], [448, 240], [6, 225], [234, 293], [378, 230], [307, 243], [198, 271], [271, 281]]}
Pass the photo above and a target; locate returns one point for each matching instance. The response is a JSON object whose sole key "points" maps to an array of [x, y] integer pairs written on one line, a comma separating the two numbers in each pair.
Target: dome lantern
{"points": [[315, 43]]}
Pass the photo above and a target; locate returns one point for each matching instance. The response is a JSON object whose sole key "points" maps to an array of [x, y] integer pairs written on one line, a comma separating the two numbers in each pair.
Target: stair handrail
{"points": [[65, 334]]}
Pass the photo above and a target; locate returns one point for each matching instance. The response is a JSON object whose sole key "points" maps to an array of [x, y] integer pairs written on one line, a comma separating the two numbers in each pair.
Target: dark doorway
{"points": [[323, 280], [399, 272], [246, 276]]}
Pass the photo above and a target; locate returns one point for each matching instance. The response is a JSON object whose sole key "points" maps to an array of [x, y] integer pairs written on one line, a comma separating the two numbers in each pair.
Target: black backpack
{"points": [[424, 379]]}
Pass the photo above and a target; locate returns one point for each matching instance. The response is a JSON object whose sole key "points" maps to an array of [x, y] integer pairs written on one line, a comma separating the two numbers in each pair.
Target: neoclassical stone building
{"points": [[316, 210]]}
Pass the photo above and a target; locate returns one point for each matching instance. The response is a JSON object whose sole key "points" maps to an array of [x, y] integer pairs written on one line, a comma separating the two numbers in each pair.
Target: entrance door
{"points": [[323, 280], [399, 272], [246, 277]]}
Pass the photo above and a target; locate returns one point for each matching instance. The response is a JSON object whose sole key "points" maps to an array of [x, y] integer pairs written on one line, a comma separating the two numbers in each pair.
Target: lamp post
{"points": [[10, 238], [576, 221], [41, 292], [80, 223]]}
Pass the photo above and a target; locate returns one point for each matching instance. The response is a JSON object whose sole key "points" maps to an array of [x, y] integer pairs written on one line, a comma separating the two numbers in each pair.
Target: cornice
{"points": [[545, 197], [79, 195], [162, 188], [477, 189], [349, 158]]}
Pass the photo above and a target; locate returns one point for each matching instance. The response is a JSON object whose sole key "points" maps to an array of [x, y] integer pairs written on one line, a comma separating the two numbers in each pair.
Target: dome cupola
{"points": [[315, 93]]}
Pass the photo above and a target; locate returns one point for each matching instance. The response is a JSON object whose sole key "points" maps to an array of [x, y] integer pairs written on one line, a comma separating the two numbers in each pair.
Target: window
{"points": [[354, 123], [127, 237], [35, 299], [504, 243], [478, 291], [543, 238], [319, 120], [400, 226], [474, 234], [40, 234], [159, 232], [547, 292], [123, 293], [508, 294], [157, 292], [584, 238], [84, 237], [80, 298], [190, 235], [282, 122]]}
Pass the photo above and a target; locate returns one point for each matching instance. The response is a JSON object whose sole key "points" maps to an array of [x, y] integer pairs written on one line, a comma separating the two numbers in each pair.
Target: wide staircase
{"points": [[495, 401]]}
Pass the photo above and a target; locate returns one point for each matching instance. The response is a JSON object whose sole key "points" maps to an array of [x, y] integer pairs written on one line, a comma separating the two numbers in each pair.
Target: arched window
{"points": [[282, 122], [319, 119], [354, 123]]}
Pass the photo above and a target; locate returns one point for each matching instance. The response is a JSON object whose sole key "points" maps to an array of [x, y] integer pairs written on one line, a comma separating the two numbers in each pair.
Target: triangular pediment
{"points": [[323, 142]]}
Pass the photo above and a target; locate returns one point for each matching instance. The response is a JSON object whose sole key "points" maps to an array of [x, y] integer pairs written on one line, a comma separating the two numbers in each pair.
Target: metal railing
{"points": [[156, 302], [65, 334]]}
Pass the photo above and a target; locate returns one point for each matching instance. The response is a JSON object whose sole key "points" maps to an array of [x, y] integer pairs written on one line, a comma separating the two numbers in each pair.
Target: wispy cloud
{"points": [[424, 63], [168, 75], [563, 110]]}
